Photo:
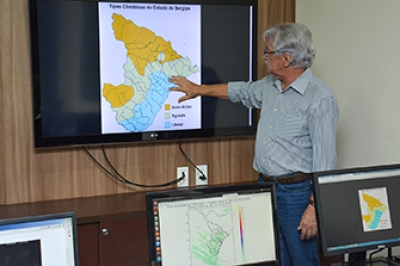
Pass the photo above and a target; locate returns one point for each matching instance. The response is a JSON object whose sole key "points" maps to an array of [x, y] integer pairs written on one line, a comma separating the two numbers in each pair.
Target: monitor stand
{"points": [[393, 260], [377, 262], [390, 260]]}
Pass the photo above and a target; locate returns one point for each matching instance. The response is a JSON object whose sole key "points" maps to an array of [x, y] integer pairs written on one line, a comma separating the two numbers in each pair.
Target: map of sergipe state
{"points": [[151, 60], [375, 211]]}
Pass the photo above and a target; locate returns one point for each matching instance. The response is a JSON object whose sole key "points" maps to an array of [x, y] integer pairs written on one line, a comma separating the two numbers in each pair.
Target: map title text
{"points": [[150, 7]]}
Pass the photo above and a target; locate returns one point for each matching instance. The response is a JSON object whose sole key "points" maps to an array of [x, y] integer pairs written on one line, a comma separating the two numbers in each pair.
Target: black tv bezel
{"points": [[41, 141], [320, 210], [202, 192], [51, 216]]}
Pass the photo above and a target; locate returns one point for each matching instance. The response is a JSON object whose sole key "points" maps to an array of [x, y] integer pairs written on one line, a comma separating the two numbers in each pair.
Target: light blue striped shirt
{"points": [[297, 128]]}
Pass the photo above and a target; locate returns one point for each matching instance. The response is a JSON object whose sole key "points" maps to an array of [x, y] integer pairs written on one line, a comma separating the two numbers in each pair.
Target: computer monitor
{"points": [[221, 225], [358, 209], [46, 240]]}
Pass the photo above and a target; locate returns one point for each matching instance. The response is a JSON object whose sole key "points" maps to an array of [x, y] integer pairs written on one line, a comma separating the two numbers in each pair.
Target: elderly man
{"points": [[296, 132]]}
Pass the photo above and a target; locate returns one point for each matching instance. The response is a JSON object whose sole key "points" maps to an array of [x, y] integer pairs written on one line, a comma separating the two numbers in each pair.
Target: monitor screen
{"points": [[222, 225], [101, 68], [358, 209], [39, 241]]}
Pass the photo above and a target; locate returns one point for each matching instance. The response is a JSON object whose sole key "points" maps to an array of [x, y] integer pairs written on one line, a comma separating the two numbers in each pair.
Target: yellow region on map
{"points": [[373, 204], [143, 46], [118, 95]]}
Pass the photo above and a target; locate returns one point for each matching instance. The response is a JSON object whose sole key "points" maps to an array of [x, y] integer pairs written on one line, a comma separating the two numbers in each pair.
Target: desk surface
{"points": [[87, 210]]}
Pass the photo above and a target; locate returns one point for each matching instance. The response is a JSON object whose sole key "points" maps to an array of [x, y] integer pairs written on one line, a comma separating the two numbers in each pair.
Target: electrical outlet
{"points": [[183, 172], [200, 179]]}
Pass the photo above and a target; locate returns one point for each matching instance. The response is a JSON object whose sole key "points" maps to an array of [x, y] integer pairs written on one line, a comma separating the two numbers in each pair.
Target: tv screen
{"points": [[222, 225], [39, 240], [101, 68], [358, 209]]}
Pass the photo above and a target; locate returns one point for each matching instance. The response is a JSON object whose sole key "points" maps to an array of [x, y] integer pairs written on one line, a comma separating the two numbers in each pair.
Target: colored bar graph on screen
{"points": [[241, 231]]}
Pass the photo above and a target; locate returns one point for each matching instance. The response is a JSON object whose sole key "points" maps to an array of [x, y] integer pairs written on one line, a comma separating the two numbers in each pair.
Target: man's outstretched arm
{"points": [[192, 90]]}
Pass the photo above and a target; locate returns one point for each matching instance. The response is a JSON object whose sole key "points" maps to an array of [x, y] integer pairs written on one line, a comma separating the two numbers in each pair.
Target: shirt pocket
{"points": [[292, 126]]}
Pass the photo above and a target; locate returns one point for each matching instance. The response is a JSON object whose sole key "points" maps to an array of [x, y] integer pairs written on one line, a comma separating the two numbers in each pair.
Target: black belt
{"points": [[287, 179]]}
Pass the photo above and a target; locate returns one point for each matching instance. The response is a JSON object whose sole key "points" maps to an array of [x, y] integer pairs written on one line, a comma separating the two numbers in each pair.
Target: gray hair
{"points": [[294, 39]]}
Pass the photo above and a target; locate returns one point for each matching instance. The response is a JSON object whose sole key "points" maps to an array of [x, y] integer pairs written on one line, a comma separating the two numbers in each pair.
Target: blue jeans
{"points": [[292, 200]]}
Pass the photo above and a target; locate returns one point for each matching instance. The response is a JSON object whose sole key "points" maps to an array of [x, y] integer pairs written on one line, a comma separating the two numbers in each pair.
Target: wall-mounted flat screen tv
{"points": [[100, 69]]}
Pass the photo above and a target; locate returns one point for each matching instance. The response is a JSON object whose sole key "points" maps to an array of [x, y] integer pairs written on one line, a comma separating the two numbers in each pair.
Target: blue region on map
{"points": [[155, 98], [375, 222]]}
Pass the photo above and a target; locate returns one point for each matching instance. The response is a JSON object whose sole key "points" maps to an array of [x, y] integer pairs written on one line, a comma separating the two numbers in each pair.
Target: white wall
{"points": [[358, 55]]}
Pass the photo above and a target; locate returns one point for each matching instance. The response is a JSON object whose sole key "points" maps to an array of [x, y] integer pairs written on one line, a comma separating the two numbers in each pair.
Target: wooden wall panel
{"points": [[29, 175], [272, 12]]}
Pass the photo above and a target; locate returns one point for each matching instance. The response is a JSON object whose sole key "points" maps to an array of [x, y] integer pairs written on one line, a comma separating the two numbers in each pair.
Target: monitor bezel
{"points": [[76, 140], [320, 211], [202, 191], [52, 216]]}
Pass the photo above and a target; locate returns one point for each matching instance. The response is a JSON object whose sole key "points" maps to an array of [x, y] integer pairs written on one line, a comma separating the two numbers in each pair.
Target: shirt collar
{"points": [[300, 84]]}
